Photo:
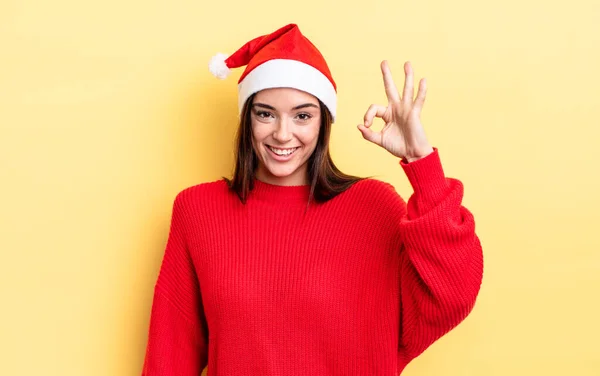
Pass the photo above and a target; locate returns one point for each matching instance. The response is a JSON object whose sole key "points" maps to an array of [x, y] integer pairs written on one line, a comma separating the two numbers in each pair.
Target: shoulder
{"points": [[372, 201], [376, 189], [202, 192], [375, 193]]}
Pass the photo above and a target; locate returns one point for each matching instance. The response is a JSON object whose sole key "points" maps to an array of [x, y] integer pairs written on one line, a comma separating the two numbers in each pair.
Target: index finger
{"points": [[388, 81]]}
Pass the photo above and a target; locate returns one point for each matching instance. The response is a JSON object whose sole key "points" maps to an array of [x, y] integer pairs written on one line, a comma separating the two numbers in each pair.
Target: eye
{"points": [[263, 114], [304, 116]]}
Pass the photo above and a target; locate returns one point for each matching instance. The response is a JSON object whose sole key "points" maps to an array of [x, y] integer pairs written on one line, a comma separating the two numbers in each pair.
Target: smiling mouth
{"points": [[282, 152]]}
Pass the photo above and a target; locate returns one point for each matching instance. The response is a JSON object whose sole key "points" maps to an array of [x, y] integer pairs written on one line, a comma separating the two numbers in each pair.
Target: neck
{"points": [[276, 193]]}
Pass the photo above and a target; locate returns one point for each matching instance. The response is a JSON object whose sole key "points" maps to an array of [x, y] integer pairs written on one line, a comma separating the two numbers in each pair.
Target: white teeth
{"points": [[282, 152]]}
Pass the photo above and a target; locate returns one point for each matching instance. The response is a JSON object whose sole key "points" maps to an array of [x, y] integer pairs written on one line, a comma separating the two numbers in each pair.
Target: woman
{"points": [[294, 268]]}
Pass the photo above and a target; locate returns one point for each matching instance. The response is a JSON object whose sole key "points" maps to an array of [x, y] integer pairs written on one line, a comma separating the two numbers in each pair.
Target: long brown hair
{"points": [[326, 180]]}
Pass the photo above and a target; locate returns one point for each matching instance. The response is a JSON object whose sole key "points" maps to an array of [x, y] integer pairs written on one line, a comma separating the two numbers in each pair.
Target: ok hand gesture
{"points": [[402, 134]]}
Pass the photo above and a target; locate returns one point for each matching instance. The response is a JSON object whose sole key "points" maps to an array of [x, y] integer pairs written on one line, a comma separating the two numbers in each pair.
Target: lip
{"points": [[281, 158]]}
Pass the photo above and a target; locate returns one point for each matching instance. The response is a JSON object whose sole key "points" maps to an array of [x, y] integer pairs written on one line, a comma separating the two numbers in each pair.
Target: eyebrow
{"points": [[295, 108]]}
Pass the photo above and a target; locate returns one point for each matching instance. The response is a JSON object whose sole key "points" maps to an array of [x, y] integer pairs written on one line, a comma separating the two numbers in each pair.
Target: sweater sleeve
{"points": [[177, 338], [441, 257]]}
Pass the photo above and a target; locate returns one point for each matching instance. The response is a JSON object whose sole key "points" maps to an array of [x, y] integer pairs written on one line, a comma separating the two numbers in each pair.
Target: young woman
{"points": [[292, 267]]}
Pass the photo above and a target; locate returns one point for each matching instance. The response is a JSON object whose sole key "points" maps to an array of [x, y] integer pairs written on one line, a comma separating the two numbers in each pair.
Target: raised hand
{"points": [[403, 134]]}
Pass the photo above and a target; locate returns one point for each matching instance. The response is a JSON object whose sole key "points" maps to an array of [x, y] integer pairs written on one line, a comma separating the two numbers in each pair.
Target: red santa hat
{"points": [[284, 58]]}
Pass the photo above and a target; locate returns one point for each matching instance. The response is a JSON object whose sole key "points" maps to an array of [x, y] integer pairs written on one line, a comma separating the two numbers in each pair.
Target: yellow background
{"points": [[107, 110]]}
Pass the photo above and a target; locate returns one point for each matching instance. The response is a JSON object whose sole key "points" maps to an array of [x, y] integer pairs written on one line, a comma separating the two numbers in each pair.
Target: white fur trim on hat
{"points": [[288, 73], [218, 67]]}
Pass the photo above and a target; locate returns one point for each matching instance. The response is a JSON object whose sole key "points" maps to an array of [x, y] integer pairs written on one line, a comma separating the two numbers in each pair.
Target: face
{"points": [[285, 131]]}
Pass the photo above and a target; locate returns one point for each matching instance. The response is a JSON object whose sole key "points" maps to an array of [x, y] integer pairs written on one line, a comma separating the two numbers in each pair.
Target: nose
{"points": [[283, 133]]}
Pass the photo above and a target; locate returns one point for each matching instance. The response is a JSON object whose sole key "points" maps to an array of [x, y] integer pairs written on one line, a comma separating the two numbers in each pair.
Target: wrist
{"points": [[418, 156]]}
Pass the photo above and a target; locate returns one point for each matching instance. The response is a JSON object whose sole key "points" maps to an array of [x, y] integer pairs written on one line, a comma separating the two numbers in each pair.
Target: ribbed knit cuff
{"points": [[426, 176]]}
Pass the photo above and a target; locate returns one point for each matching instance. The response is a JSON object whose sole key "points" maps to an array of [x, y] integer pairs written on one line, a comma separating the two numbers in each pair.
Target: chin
{"points": [[282, 173]]}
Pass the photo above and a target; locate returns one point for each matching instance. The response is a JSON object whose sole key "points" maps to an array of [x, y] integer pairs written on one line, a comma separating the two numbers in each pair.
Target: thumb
{"points": [[370, 135]]}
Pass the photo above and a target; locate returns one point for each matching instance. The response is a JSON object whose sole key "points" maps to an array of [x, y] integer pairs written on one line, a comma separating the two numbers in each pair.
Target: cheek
{"points": [[259, 133], [310, 135]]}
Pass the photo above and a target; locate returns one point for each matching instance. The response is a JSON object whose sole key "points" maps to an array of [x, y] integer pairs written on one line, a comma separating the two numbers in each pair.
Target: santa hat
{"points": [[284, 58]]}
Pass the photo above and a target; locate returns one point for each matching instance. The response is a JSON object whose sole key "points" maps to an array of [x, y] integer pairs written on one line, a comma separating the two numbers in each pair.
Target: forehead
{"points": [[285, 97]]}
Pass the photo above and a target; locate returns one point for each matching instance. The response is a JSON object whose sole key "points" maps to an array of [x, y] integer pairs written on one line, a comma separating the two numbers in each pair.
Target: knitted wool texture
{"points": [[359, 285]]}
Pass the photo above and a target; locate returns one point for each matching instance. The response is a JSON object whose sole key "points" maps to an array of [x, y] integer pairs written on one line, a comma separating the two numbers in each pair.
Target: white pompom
{"points": [[218, 67]]}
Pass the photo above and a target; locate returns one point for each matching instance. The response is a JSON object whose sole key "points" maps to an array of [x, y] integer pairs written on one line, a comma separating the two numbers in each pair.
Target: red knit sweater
{"points": [[359, 285]]}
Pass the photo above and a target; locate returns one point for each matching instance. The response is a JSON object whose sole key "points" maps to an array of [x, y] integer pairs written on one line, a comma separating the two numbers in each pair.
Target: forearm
{"points": [[442, 260]]}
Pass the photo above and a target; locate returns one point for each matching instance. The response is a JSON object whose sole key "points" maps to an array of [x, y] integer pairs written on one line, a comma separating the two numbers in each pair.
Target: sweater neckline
{"points": [[280, 193]]}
